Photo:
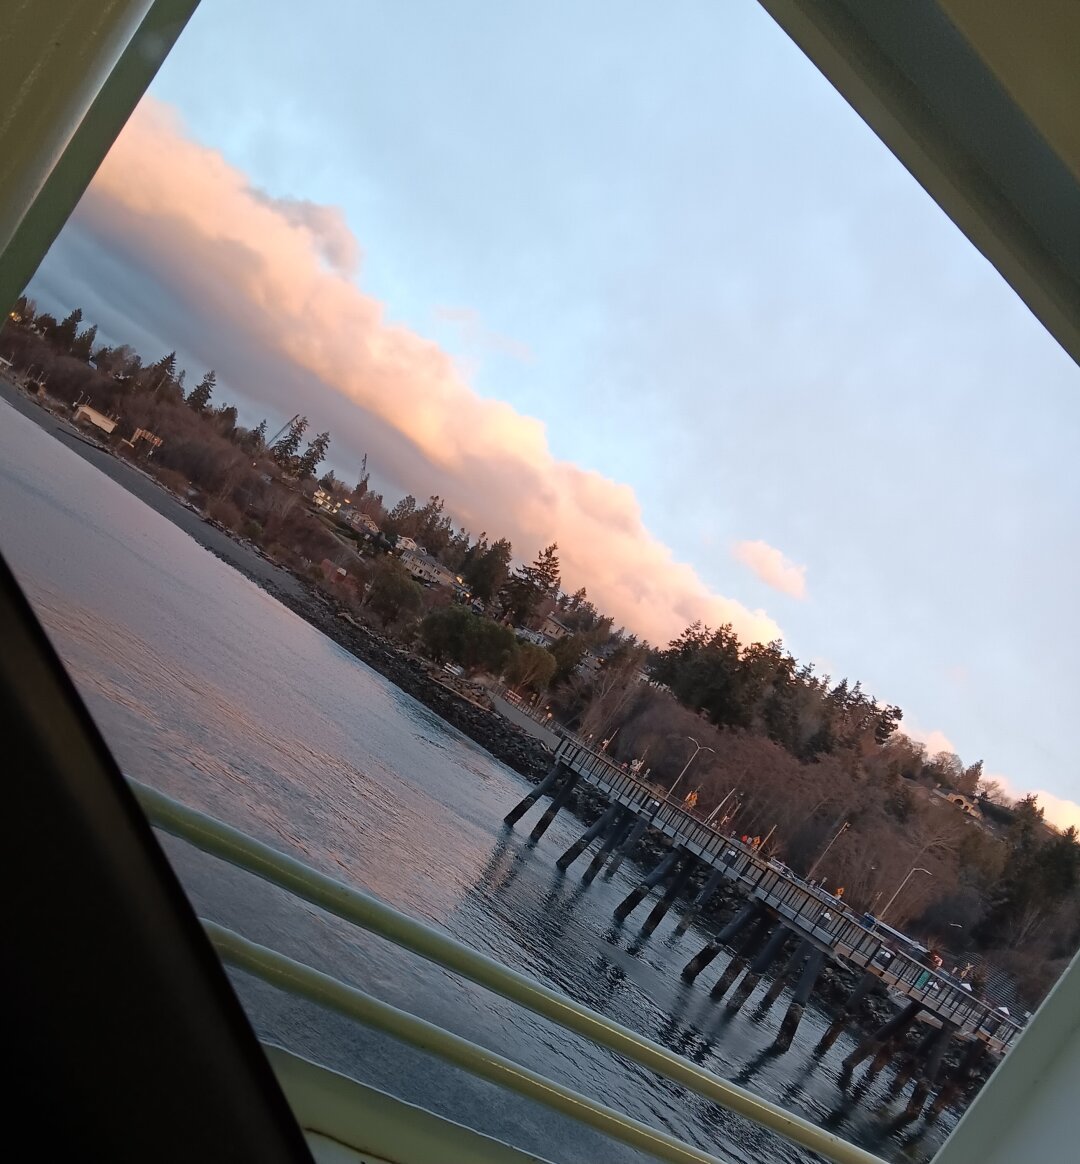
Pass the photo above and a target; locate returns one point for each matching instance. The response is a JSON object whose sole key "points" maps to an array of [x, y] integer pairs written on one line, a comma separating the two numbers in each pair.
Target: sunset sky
{"points": [[635, 278]]}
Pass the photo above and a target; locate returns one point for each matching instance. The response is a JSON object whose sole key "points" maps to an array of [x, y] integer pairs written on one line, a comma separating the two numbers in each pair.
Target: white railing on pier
{"points": [[361, 909]]}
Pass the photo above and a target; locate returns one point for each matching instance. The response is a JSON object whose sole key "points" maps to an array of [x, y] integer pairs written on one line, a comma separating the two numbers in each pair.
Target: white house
{"points": [[404, 543], [554, 629], [425, 568], [361, 522], [326, 500], [537, 638], [591, 664]]}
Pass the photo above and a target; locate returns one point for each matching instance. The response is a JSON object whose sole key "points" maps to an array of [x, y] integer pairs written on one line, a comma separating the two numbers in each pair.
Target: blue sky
{"points": [[660, 232]]}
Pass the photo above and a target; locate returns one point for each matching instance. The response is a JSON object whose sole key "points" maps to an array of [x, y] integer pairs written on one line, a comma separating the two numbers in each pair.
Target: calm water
{"points": [[210, 690]]}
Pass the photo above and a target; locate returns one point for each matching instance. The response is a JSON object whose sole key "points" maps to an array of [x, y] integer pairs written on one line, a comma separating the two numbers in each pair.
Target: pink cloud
{"points": [[267, 290], [1058, 810], [933, 741], [772, 567]]}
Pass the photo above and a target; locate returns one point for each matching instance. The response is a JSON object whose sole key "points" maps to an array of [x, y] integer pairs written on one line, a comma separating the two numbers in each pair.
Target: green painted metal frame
{"points": [[229, 844], [80, 68], [926, 91], [305, 981], [333, 1109]]}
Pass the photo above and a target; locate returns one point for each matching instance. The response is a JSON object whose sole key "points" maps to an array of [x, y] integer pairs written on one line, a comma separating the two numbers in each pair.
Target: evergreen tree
{"points": [[257, 437], [66, 332], [164, 369], [567, 653], [199, 397], [401, 519], [433, 527], [486, 569], [227, 417], [457, 549], [47, 325], [83, 347], [530, 585], [363, 484], [289, 445], [313, 455]]}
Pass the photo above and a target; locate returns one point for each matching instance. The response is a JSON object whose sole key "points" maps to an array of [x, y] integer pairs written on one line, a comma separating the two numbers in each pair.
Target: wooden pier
{"points": [[779, 903]]}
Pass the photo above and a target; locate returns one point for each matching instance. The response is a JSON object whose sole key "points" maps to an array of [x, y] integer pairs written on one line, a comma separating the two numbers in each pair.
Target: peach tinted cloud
{"points": [[271, 282], [771, 566]]}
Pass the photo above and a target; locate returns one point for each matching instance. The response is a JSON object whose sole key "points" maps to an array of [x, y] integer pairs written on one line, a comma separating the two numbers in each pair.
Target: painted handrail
{"points": [[353, 905], [305, 981]]}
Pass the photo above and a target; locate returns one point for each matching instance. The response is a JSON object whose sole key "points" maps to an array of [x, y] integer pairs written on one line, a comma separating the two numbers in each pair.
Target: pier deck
{"points": [[809, 912]]}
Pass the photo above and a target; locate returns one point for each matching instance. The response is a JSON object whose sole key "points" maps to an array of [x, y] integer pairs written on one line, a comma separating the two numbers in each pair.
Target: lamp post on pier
{"points": [[686, 766], [839, 833], [911, 872]]}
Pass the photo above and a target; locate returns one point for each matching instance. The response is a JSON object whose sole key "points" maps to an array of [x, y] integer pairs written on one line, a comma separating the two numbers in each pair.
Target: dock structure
{"points": [[781, 907]]}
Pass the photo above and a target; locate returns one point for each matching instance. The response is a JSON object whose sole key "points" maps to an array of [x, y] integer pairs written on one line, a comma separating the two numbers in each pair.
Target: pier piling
{"points": [[935, 1053], [743, 952], [636, 896], [675, 887], [799, 999], [615, 836], [790, 966], [700, 901], [587, 837], [523, 806], [803, 909], [883, 1038], [637, 831], [708, 952], [557, 801], [758, 966], [959, 1078], [907, 1064], [859, 992]]}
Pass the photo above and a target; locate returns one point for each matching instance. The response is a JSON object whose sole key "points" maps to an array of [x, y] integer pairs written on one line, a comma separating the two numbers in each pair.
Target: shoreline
{"points": [[514, 746], [506, 742]]}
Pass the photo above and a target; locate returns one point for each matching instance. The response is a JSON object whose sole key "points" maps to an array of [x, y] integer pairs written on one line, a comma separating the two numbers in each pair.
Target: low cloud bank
{"points": [[263, 289]]}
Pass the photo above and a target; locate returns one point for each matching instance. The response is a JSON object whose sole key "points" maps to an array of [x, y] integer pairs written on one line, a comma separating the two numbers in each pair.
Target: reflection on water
{"points": [[211, 691]]}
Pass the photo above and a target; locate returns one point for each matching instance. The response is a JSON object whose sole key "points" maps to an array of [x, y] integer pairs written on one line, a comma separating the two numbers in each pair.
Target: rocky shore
{"points": [[505, 741], [531, 758]]}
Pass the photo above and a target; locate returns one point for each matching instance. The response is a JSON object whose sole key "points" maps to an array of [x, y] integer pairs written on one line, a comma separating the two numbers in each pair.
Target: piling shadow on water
{"points": [[504, 863], [754, 1067]]}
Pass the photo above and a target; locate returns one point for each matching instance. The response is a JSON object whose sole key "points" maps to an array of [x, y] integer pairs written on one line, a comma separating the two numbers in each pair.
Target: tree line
{"points": [[785, 751]]}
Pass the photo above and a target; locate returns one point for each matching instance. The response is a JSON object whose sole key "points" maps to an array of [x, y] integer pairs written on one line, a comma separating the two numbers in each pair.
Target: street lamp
{"points": [[686, 766], [839, 833], [911, 872]]}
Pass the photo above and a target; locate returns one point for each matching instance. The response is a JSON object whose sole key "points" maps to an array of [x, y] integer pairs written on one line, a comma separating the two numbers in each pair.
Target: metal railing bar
{"points": [[299, 979], [353, 905]]}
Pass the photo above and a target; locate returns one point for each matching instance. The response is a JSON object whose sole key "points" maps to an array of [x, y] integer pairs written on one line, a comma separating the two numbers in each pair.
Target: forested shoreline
{"points": [[784, 751]]}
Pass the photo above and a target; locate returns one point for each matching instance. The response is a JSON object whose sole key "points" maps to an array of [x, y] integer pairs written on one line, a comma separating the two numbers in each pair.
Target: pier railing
{"points": [[222, 841], [816, 913]]}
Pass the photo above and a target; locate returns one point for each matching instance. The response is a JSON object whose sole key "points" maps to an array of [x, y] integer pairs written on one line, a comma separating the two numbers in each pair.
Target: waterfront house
{"points": [[552, 628], [424, 568]]}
